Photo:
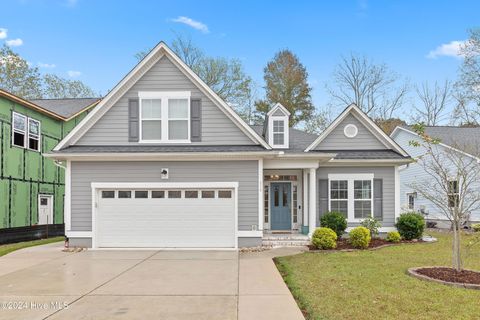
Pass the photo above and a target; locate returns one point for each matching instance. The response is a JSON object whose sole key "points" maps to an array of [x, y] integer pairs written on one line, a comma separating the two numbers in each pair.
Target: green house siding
{"points": [[24, 174]]}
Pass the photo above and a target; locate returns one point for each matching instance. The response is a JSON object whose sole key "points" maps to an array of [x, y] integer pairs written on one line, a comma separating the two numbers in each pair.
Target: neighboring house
{"points": [[452, 139], [164, 162], [31, 186]]}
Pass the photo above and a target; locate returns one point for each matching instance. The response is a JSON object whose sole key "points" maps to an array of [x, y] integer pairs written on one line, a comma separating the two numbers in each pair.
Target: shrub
{"points": [[476, 227], [371, 224], [360, 237], [410, 225], [335, 221], [324, 238], [393, 236]]}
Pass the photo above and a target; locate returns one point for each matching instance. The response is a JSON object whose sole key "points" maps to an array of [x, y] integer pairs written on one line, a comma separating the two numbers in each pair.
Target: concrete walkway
{"points": [[45, 283]]}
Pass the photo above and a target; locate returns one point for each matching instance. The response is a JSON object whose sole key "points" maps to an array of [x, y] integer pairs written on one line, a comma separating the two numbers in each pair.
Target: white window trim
{"points": [[164, 96], [26, 132], [408, 200], [271, 119], [350, 178], [38, 136]]}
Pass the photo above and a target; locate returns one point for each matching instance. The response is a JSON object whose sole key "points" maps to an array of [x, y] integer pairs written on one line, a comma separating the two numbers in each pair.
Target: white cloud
{"points": [[46, 65], [3, 33], [74, 74], [451, 49], [14, 42], [192, 23]]}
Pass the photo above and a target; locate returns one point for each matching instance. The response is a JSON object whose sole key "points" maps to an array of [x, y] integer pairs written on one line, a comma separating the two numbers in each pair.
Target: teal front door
{"points": [[280, 209]]}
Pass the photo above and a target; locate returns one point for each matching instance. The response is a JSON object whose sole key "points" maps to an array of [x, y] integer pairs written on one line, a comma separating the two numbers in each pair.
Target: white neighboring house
{"points": [[456, 139]]}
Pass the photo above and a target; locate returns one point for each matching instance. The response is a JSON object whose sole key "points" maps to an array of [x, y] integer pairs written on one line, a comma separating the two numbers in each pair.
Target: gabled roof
{"points": [[67, 107], [60, 109], [367, 122], [461, 139], [139, 70], [276, 107], [299, 139]]}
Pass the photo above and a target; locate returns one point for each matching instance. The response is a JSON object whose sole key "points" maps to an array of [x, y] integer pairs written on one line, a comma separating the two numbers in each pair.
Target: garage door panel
{"points": [[166, 222]]}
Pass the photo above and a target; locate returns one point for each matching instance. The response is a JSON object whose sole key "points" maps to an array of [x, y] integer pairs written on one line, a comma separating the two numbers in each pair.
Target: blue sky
{"points": [[95, 41]]}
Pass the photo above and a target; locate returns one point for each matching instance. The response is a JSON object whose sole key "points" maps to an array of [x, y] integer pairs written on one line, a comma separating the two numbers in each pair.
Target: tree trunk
{"points": [[457, 261]]}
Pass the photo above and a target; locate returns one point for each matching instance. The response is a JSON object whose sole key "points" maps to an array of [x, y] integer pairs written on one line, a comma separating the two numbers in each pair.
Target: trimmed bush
{"points": [[410, 225], [393, 236], [476, 227], [360, 237], [335, 221], [324, 238], [371, 224]]}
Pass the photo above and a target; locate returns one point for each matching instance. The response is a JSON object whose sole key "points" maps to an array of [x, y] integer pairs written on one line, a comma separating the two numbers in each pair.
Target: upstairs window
{"points": [[33, 134], [25, 132], [164, 117], [19, 130], [278, 132]]}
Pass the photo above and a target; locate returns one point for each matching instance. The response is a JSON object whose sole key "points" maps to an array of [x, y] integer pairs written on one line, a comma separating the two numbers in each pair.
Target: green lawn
{"points": [[374, 284], [7, 248]]}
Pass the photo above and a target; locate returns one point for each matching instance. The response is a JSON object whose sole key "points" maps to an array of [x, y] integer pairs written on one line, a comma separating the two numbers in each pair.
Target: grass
{"points": [[374, 284], [7, 248]]}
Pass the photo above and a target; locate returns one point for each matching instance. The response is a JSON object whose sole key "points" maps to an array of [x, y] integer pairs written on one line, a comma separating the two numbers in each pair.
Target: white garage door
{"points": [[165, 218]]}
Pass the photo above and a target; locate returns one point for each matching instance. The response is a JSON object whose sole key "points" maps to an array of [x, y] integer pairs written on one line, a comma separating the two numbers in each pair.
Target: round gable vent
{"points": [[350, 130]]}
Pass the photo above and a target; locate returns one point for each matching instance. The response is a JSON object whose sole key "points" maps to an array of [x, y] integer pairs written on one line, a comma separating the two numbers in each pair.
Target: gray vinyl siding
{"points": [[387, 174], [415, 173], [112, 128], [337, 140], [84, 173]]}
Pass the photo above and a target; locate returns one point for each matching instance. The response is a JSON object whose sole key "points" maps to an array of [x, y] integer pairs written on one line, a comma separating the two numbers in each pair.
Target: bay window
{"points": [[351, 195], [164, 117]]}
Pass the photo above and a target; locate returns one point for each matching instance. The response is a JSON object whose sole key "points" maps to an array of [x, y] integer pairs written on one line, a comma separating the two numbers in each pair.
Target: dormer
{"points": [[278, 118]]}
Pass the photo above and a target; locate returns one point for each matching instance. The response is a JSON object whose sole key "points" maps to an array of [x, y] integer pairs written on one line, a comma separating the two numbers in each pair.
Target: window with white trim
{"points": [[164, 117], [19, 130], [33, 134], [278, 132], [339, 196], [25, 132], [453, 194], [351, 195], [411, 201], [362, 193]]}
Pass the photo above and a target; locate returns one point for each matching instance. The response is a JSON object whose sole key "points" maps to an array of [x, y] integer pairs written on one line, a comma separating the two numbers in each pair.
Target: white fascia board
{"points": [[117, 92], [365, 120], [440, 143]]}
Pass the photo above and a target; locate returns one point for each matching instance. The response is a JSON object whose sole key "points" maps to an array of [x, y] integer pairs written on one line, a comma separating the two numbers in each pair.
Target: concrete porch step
{"points": [[285, 240]]}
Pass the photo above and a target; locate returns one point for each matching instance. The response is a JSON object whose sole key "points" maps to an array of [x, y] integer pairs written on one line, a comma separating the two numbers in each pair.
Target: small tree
{"points": [[452, 184]]}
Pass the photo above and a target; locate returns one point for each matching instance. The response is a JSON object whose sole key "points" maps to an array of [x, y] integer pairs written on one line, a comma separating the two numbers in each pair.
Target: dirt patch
{"points": [[344, 244], [451, 275]]}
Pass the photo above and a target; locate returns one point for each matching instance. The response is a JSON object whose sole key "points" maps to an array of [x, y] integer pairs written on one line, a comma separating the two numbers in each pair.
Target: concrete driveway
{"points": [[45, 283]]}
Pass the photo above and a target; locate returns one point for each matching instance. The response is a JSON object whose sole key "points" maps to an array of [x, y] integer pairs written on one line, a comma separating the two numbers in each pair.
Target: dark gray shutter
{"points": [[196, 120], [323, 196], [133, 120], [378, 199]]}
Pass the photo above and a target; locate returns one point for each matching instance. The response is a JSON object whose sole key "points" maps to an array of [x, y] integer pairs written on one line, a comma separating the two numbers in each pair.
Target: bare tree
{"points": [[452, 184], [434, 103], [372, 87]]}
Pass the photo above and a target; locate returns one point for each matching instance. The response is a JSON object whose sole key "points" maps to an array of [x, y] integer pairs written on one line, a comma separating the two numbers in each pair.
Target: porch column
{"points": [[312, 203], [305, 198]]}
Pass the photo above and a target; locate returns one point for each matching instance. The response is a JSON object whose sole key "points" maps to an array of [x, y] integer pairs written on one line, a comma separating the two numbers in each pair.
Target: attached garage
{"points": [[169, 215]]}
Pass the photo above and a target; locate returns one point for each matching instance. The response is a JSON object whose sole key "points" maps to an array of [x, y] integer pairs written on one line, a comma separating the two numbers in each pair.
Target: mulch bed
{"points": [[451, 275], [343, 244]]}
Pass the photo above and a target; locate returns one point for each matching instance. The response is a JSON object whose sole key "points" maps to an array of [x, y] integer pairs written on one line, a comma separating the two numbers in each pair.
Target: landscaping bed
{"points": [[464, 278], [345, 245]]}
